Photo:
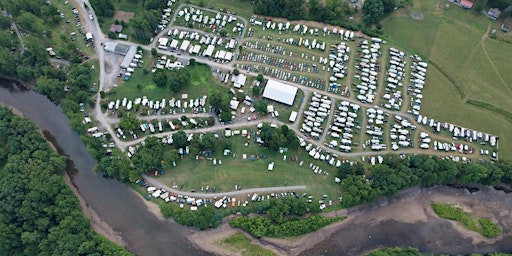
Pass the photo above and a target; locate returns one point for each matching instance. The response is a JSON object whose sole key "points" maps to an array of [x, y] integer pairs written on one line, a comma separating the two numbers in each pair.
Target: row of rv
{"points": [[158, 104], [396, 75], [418, 74], [344, 125], [368, 68], [301, 29], [459, 132], [314, 117], [338, 57], [135, 62], [166, 15], [215, 22]]}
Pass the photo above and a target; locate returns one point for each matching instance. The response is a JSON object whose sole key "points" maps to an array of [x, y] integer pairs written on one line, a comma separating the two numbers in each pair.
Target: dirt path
{"points": [[498, 74]]}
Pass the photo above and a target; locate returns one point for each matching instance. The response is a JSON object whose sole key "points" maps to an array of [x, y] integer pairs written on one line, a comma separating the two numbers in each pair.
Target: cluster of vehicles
{"points": [[401, 133], [278, 62], [418, 73], [314, 117], [374, 128], [214, 22], [163, 106], [338, 57], [344, 126], [135, 63], [367, 70], [395, 76]]}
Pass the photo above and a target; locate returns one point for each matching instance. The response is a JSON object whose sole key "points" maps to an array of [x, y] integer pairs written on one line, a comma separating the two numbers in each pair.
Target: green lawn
{"points": [[194, 174], [239, 242], [202, 83]]}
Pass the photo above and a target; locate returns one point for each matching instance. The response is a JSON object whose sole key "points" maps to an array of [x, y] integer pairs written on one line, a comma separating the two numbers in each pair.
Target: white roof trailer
{"points": [[293, 116]]}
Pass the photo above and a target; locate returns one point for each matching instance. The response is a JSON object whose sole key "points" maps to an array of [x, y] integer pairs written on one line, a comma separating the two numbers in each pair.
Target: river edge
{"points": [[96, 223], [411, 207]]}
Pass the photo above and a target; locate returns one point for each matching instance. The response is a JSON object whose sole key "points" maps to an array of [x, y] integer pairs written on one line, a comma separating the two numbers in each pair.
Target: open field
{"points": [[201, 80], [194, 174], [473, 65]]}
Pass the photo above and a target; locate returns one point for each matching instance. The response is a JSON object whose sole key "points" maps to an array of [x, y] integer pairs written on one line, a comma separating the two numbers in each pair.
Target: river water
{"points": [[114, 202]]}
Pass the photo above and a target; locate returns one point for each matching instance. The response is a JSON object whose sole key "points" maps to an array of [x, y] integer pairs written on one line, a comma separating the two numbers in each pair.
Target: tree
{"points": [[236, 72], [372, 11], [179, 139], [261, 107], [178, 79], [154, 52], [225, 116], [260, 78], [129, 122], [256, 90], [103, 7], [160, 78], [169, 157], [208, 141]]}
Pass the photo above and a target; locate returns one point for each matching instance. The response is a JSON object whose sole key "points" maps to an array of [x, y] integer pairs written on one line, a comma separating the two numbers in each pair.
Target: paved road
{"points": [[157, 183]]}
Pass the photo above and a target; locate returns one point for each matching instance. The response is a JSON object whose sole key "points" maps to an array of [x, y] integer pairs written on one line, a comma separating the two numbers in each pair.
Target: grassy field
{"points": [[240, 243], [202, 83], [194, 174], [483, 226], [465, 64]]}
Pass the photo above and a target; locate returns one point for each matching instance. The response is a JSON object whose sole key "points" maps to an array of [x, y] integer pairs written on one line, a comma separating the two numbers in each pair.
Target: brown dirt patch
{"points": [[124, 16]]}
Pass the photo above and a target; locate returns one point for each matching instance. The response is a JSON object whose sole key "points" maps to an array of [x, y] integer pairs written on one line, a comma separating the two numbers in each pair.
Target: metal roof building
{"points": [[280, 92]]}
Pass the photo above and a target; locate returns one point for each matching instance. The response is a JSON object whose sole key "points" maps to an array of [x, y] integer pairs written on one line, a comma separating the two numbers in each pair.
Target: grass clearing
{"points": [[239, 242], [202, 83], [194, 174], [483, 226]]}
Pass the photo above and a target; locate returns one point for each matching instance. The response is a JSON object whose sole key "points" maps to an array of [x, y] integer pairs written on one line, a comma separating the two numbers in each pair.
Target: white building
{"points": [[238, 81], [280, 92]]}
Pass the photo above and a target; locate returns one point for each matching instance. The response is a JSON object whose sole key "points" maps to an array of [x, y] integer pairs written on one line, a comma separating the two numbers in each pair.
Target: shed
{"points": [[505, 28], [466, 4], [116, 28], [293, 116], [270, 166], [494, 13], [280, 92]]}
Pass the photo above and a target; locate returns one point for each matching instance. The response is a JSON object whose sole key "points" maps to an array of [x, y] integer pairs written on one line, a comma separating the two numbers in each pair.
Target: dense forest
{"points": [[39, 214], [362, 185]]}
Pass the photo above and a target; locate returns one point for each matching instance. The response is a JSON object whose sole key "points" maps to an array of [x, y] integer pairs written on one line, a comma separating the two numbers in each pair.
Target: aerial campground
{"points": [[256, 127]]}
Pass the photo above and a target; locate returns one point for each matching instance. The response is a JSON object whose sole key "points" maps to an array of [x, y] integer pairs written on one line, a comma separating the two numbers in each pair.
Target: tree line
{"points": [[335, 12], [362, 185], [39, 214]]}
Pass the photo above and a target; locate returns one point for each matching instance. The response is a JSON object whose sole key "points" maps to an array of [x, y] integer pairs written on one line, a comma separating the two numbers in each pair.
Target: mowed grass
{"points": [[472, 65], [239, 242], [444, 103], [194, 174], [201, 83]]}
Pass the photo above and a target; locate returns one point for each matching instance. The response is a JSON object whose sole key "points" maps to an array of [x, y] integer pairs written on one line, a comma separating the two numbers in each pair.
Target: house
{"points": [[494, 13], [505, 28], [466, 4], [116, 28]]}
